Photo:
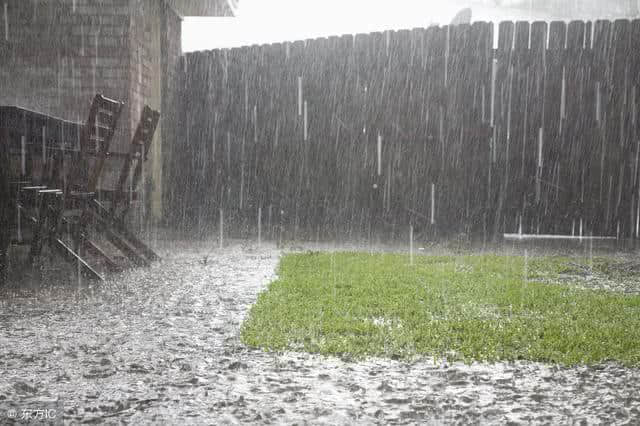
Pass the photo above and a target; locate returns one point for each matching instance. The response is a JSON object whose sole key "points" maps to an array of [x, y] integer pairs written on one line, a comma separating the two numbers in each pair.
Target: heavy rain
{"points": [[310, 212]]}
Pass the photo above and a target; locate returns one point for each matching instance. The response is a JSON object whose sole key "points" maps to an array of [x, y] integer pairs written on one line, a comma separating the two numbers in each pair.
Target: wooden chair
{"points": [[138, 153], [112, 220], [50, 210], [53, 207]]}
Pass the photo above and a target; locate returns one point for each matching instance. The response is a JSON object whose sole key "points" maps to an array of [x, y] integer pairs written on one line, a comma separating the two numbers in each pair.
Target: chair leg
{"points": [[5, 239], [6, 206], [36, 242]]}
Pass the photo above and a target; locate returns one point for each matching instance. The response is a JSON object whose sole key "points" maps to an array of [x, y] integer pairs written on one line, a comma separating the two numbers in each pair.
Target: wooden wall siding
{"points": [[538, 135]]}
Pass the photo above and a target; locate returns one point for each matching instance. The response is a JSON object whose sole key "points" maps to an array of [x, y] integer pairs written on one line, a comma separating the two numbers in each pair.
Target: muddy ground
{"points": [[161, 346]]}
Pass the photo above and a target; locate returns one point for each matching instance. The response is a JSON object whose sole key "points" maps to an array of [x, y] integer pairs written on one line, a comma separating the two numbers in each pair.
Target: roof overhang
{"points": [[205, 7]]}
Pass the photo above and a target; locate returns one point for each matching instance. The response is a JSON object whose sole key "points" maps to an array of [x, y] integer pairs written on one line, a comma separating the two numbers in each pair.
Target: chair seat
{"points": [[82, 195]]}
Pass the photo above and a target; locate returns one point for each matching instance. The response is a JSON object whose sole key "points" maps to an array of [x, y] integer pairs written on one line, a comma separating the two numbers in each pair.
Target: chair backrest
{"points": [[95, 139], [137, 152]]}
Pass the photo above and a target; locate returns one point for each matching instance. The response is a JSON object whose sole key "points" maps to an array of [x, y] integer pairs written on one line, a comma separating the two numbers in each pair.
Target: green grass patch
{"points": [[485, 308]]}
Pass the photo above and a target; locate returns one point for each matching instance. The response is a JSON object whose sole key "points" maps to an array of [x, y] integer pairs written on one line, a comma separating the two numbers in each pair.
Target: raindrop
{"points": [[79, 268], [306, 122], [525, 276], [281, 231], [241, 188], [275, 138], [19, 217], [213, 146], [494, 76], [221, 229], [446, 56], [259, 226], [634, 110], [484, 113], [44, 145], [255, 123], [433, 203], [228, 149], [520, 225], [563, 95], [388, 41], [300, 96], [591, 255], [131, 172], [598, 103], [580, 228], [23, 155], [95, 63], [441, 129], [411, 245], [6, 22], [379, 154], [540, 163], [638, 220], [82, 50], [246, 100]]}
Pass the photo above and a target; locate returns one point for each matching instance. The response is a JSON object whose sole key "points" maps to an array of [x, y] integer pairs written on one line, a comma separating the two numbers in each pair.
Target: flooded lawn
{"points": [[161, 345]]}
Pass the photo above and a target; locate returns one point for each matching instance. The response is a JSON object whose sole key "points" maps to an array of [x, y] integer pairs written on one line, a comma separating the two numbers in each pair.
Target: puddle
{"points": [[161, 345]]}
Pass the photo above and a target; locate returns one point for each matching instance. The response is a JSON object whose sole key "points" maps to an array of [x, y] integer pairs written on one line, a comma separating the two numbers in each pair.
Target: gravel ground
{"points": [[161, 346]]}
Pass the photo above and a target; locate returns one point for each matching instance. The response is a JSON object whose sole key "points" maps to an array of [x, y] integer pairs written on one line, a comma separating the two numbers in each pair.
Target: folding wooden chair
{"points": [[53, 207], [113, 219], [51, 210], [138, 153]]}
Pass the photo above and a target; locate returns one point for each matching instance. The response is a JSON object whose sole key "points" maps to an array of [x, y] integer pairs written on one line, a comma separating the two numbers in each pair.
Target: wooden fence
{"points": [[433, 127]]}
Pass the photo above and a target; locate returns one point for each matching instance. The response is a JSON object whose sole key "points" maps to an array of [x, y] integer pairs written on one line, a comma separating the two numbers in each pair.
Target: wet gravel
{"points": [[161, 346]]}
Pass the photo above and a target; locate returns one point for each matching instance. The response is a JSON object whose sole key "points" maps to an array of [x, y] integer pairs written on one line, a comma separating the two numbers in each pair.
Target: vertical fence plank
{"points": [[481, 54], [552, 141], [504, 220], [458, 113], [534, 125], [518, 117], [576, 125], [618, 129], [601, 74], [634, 75]]}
